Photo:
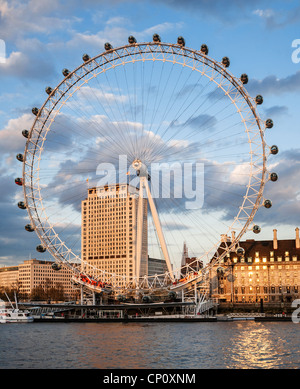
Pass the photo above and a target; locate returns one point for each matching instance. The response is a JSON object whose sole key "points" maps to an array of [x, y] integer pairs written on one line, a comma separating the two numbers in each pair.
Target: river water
{"points": [[217, 345]]}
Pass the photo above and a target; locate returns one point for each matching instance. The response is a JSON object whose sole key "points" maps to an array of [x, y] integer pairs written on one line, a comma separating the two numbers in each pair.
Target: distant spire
{"points": [[184, 254]]}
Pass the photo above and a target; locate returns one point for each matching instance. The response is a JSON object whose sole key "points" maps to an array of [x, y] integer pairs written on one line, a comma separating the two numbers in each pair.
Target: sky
{"points": [[39, 38]]}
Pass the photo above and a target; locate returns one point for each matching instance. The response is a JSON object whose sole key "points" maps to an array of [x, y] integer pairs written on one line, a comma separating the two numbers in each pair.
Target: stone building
{"points": [[9, 277], [33, 273], [267, 273]]}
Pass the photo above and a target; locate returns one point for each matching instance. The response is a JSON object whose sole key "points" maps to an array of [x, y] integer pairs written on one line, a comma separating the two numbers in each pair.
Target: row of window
{"points": [[263, 289], [265, 259]]}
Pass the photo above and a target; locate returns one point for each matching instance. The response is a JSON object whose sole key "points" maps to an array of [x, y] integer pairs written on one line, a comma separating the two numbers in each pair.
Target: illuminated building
{"points": [[33, 273], [268, 272], [109, 226]]}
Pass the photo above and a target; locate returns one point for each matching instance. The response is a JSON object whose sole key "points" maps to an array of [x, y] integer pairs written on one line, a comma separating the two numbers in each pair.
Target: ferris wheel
{"points": [[172, 122]]}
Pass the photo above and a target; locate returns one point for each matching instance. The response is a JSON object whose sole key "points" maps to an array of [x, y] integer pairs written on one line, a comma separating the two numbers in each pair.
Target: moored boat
{"points": [[13, 315]]}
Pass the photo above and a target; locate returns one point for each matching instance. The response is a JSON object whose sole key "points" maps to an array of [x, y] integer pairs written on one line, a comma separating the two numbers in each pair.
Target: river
{"points": [[217, 345]]}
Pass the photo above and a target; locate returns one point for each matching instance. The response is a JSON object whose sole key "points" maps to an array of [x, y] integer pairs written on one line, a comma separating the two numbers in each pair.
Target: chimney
{"points": [[233, 236], [275, 243], [225, 238], [297, 238]]}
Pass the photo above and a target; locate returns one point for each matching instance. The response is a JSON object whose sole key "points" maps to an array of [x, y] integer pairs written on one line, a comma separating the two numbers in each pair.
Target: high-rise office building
{"points": [[109, 229]]}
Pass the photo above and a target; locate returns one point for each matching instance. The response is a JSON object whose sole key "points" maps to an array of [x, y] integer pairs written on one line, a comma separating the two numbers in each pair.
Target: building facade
{"points": [[156, 267], [34, 273], [109, 229], [9, 277], [268, 272]]}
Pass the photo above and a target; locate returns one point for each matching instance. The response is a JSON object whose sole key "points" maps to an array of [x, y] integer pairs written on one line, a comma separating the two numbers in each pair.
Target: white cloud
{"points": [[264, 13], [11, 139], [21, 65], [116, 31], [34, 16]]}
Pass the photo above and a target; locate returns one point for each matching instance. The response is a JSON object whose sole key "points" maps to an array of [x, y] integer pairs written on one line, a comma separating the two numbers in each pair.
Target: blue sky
{"points": [[41, 38]]}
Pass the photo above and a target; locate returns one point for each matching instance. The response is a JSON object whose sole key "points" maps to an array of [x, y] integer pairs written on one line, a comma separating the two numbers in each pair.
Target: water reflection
{"points": [[235, 345], [258, 345]]}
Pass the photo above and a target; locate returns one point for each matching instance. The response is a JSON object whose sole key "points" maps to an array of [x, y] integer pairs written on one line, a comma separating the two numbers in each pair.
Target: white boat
{"points": [[13, 315]]}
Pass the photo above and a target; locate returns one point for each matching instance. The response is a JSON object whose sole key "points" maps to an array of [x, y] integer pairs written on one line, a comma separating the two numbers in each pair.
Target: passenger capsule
{"points": [[56, 266], [25, 133], [204, 49], [273, 177], [20, 157], [244, 78], [256, 229], [240, 251], [19, 181], [225, 62], [40, 248], [180, 41], [131, 40], [121, 298], [48, 90], [85, 57], [220, 271], [172, 295], [269, 123], [147, 299], [259, 99], [156, 38], [35, 111], [65, 72], [274, 149], [267, 203], [21, 205], [107, 46], [29, 228]]}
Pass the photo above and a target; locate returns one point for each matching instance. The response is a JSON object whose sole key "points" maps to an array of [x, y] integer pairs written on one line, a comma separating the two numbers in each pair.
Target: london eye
{"points": [[173, 124]]}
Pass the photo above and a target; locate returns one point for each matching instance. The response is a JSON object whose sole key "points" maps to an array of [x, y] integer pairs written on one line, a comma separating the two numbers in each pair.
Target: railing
{"points": [[245, 314], [204, 306]]}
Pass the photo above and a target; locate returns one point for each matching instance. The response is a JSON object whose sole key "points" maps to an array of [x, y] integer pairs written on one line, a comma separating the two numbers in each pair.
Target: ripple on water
{"points": [[220, 345]]}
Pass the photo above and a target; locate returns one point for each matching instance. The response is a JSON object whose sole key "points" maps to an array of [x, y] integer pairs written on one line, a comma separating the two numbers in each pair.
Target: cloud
{"points": [[267, 13], [116, 31], [277, 18], [226, 11], [11, 139], [272, 85], [235, 11], [276, 111], [15, 243], [19, 19], [20, 65], [284, 193]]}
